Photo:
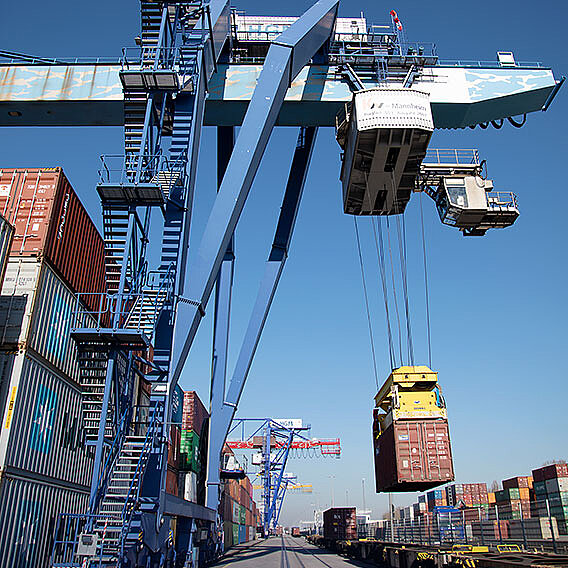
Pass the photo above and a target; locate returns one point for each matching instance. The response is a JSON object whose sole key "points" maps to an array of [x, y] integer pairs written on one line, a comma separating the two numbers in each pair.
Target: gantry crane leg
{"points": [[295, 47], [223, 408]]}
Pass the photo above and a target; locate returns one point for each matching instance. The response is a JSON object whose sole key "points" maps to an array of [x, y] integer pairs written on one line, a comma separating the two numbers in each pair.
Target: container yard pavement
{"points": [[286, 552]]}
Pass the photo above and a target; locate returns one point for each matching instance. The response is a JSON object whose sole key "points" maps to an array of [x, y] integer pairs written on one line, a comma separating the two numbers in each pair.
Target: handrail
{"points": [[111, 458], [134, 489]]}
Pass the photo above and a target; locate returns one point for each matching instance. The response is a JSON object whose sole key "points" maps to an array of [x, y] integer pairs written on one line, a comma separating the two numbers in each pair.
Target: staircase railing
{"points": [[114, 451], [133, 495]]}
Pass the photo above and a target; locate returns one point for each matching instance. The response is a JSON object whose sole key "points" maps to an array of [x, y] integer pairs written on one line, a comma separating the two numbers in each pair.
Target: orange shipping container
{"points": [[491, 497], [50, 221]]}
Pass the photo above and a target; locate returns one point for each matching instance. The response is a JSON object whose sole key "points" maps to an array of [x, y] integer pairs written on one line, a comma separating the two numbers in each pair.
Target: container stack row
{"points": [[53, 252], [238, 511], [551, 493], [533, 507], [187, 453]]}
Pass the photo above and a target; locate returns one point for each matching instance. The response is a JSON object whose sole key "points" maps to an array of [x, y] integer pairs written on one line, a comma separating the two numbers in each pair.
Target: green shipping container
{"points": [[242, 515], [235, 533], [507, 495], [228, 531], [189, 451]]}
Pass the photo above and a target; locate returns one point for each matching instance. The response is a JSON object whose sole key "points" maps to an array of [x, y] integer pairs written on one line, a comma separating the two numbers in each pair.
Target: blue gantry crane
{"points": [[202, 64], [274, 440]]}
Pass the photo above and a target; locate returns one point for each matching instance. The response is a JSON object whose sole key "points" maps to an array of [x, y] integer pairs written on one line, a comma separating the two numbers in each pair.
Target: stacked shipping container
{"points": [[45, 467], [551, 493], [6, 235], [238, 511]]}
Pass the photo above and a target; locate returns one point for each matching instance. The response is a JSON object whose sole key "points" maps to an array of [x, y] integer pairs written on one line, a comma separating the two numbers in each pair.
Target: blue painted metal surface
{"points": [[92, 95]]}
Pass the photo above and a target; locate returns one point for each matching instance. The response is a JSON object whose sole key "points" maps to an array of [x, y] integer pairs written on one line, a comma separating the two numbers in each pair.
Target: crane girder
{"points": [[91, 94]]}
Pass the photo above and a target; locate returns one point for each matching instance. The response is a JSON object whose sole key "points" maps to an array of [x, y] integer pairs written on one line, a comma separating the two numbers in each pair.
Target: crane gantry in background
{"points": [[275, 439], [203, 64]]}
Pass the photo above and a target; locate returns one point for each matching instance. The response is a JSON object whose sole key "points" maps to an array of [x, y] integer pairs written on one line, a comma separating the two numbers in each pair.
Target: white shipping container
{"points": [[42, 434], [16, 301], [30, 512], [187, 486], [38, 309]]}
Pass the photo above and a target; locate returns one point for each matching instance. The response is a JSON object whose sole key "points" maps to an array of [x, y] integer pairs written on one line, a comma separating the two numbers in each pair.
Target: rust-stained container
{"points": [[340, 523], [51, 222], [6, 236], [194, 413], [413, 455], [172, 481]]}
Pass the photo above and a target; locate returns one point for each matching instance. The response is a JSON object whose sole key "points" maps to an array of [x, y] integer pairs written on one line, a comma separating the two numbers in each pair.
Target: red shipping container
{"points": [[340, 523], [413, 455], [51, 222], [172, 481], [194, 413], [174, 446]]}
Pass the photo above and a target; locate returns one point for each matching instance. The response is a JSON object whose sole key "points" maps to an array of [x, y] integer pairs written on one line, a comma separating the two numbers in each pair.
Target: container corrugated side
{"points": [[16, 301], [38, 312], [42, 434], [6, 236], [50, 221], [413, 455], [29, 519], [50, 330]]}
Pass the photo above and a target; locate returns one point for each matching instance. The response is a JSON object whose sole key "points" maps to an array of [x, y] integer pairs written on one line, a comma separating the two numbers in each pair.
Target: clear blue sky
{"points": [[498, 303]]}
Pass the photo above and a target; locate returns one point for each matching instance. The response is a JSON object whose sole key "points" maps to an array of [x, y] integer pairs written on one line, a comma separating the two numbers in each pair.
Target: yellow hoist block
{"points": [[410, 393]]}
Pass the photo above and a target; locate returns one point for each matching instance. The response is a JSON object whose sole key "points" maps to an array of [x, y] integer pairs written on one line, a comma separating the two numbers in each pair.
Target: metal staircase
{"points": [[93, 370], [135, 103], [115, 233], [110, 520], [145, 310], [151, 18]]}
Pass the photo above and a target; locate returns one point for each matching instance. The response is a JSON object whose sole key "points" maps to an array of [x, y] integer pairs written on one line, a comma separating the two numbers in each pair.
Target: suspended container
{"points": [[411, 439], [6, 235], [384, 134]]}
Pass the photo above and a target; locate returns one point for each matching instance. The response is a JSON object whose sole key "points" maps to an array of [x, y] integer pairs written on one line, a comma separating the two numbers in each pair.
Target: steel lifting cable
{"points": [[380, 248], [394, 293], [366, 301], [426, 285], [401, 231]]}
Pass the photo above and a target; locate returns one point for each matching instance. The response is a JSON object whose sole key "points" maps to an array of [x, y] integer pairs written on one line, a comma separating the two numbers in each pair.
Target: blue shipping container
{"points": [[177, 405], [435, 494], [242, 534]]}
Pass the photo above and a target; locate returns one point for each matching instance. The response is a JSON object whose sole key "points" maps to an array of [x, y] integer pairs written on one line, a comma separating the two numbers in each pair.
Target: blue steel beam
{"points": [[249, 149], [223, 413], [225, 143], [91, 95]]}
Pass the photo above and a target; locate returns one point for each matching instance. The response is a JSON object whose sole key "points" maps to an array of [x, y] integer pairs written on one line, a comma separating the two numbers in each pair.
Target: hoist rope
{"points": [[426, 285], [366, 302], [401, 231], [399, 328], [380, 247]]}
